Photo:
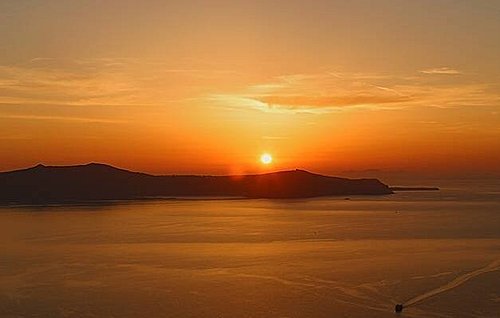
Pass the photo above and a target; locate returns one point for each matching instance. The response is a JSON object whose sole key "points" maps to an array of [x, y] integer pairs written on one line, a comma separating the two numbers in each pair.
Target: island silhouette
{"points": [[95, 182]]}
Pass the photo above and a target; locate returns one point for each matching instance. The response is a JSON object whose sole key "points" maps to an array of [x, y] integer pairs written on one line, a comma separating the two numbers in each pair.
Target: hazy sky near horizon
{"points": [[208, 86]]}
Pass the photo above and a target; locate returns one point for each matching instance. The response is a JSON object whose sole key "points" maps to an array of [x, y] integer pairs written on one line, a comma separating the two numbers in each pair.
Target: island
{"points": [[399, 189], [97, 182]]}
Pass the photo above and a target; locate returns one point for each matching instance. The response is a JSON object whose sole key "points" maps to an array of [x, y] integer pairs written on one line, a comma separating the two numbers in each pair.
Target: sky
{"points": [[206, 87]]}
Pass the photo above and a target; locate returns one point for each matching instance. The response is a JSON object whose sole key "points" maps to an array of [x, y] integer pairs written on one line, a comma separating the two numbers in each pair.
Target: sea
{"points": [[435, 252]]}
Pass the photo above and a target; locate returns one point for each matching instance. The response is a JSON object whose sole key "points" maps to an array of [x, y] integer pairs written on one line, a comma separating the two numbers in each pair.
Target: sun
{"points": [[266, 158]]}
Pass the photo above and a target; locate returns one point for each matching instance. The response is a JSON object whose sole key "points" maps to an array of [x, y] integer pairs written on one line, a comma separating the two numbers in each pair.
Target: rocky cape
{"points": [[97, 182]]}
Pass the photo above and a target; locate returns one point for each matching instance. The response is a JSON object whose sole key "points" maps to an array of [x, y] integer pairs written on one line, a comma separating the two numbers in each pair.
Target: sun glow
{"points": [[266, 158]]}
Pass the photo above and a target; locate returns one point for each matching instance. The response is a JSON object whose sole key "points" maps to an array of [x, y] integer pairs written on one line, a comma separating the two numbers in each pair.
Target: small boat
{"points": [[398, 308]]}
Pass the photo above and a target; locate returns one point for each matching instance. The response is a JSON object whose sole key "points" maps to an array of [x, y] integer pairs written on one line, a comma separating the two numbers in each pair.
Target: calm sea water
{"points": [[326, 257]]}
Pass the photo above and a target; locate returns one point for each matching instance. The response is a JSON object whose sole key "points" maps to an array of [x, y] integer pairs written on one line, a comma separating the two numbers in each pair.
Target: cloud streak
{"points": [[64, 118], [331, 101], [103, 81], [441, 71], [332, 92]]}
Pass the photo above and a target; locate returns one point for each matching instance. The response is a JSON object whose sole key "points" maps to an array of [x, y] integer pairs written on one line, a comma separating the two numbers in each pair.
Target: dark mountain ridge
{"points": [[54, 184]]}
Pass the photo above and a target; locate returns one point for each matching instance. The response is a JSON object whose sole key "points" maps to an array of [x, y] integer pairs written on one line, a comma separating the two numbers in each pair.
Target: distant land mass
{"points": [[96, 182], [398, 189]]}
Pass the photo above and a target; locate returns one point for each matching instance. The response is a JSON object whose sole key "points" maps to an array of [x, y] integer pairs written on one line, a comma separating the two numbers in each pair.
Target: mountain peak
{"points": [[303, 171], [296, 172], [98, 165]]}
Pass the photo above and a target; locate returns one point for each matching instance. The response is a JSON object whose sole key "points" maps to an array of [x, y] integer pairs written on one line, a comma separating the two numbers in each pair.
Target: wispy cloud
{"points": [[64, 118], [333, 91], [332, 101], [103, 81], [274, 137], [441, 71]]}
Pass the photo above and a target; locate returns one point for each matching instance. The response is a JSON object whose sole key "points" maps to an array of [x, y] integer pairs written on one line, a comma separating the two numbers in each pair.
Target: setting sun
{"points": [[266, 158]]}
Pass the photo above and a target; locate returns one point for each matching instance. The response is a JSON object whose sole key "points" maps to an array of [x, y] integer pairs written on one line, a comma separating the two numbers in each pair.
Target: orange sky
{"points": [[337, 87]]}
